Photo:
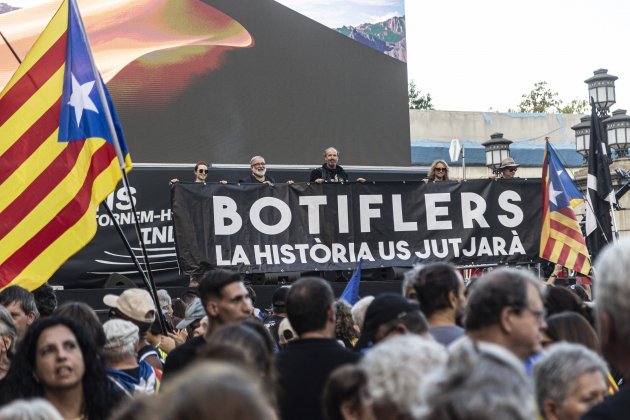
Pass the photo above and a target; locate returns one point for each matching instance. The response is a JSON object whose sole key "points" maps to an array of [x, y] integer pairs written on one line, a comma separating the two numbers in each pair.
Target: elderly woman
{"points": [[8, 333], [59, 362], [437, 172], [569, 380]]}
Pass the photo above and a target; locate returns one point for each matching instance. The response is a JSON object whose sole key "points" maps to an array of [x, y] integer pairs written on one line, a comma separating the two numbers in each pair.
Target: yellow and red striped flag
{"points": [[561, 239], [58, 156]]}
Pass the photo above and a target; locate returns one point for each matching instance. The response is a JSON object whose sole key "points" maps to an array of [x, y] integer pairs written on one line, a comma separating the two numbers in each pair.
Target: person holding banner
{"points": [[508, 168], [201, 173], [437, 172], [330, 171]]}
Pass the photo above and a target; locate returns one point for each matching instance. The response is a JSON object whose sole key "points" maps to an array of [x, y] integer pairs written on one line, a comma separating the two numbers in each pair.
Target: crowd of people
{"points": [[506, 345]]}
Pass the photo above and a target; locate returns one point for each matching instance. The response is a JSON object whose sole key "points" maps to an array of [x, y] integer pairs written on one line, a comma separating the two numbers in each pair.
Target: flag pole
{"points": [[614, 219], [121, 161], [464, 162], [17, 57]]}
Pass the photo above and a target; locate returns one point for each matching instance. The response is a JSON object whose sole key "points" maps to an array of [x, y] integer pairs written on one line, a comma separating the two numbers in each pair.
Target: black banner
{"points": [[299, 227]]}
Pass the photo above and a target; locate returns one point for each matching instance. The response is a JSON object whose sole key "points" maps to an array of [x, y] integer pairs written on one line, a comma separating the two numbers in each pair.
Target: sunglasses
{"points": [[202, 171], [440, 169], [511, 169]]}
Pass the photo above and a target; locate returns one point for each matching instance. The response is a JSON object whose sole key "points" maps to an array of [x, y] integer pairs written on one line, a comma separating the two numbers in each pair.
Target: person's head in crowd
{"points": [[344, 324], [570, 327], [195, 312], [331, 157], [135, 305], [440, 292], [259, 357], [407, 289], [569, 380], [86, 317], [346, 394], [559, 299], [21, 305], [259, 328], [252, 294], [59, 362], [189, 296], [358, 311], [201, 171], [31, 409], [8, 336], [505, 307], [45, 300], [612, 300], [508, 168], [121, 342], [286, 333], [224, 298], [179, 310], [202, 329], [438, 171], [388, 315], [166, 303], [279, 301], [480, 381], [221, 391], [397, 370], [310, 307]]}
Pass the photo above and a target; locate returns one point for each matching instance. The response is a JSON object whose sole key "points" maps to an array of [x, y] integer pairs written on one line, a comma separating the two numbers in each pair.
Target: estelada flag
{"points": [[59, 158], [561, 239]]}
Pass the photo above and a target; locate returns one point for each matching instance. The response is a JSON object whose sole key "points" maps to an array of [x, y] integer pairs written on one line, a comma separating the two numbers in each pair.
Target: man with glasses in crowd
{"points": [[259, 172], [508, 168]]}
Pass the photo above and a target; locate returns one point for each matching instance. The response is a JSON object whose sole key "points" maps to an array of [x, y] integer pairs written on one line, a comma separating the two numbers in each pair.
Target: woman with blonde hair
{"points": [[437, 172]]}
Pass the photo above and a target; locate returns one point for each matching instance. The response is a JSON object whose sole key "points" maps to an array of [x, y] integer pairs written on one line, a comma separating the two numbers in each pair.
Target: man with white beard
{"points": [[259, 172]]}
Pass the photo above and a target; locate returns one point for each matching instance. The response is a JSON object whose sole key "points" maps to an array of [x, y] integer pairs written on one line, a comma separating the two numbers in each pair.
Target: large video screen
{"points": [[223, 80]]}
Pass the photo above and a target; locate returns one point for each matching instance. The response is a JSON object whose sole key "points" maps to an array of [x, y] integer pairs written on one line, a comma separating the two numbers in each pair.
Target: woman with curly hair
{"points": [[59, 362], [345, 330], [437, 172]]}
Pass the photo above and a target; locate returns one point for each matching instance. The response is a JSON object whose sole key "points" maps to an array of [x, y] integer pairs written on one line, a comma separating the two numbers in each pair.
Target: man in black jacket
{"points": [[330, 171], [306, 363]]}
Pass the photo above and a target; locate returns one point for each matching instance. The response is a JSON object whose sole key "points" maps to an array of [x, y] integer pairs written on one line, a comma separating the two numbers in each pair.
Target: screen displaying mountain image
{"points": [[223, 80]]}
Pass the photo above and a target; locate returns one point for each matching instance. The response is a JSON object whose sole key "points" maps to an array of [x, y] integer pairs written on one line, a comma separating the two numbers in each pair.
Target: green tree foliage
{"points": [[543, 100], [416, 100]]}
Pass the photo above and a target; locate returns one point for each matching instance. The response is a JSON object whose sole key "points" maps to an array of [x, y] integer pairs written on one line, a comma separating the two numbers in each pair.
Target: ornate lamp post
{"points": [[583, 136], [601, 87], [618, 130], [497, 149]]}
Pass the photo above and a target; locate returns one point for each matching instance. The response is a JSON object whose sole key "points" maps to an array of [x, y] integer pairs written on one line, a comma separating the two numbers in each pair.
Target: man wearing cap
{"points": [[388, 315], [279, 308], [305, 364], [137, 306], [225, 300], [508, 168]]}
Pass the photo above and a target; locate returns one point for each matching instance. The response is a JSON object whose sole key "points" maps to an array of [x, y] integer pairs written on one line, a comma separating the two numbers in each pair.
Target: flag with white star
{"points": [[561, 239], [58, 157]]}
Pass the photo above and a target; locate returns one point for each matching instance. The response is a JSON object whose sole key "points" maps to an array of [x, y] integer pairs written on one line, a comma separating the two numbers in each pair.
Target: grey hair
{"points": [[410, 277], [612, 288], [33, 409], [560, 367], [7, 327], [115, 348], [331, 147], [359, 309], [480, 381], [251, 161], [397, 369]]}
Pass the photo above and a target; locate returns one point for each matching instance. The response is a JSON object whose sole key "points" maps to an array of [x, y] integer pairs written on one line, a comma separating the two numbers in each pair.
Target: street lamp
{"points": [[601, 87], [618, 129], [583, 136], [497, 149]]}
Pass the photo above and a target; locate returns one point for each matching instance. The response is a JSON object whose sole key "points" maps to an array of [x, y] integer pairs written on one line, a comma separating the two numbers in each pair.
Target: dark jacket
{"points": [[330, 175], [303, 368], [251, 179], [616, 406]]}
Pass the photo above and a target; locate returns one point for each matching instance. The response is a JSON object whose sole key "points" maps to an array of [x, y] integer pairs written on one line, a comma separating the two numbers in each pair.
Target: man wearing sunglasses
{"points": [[508, 168]]}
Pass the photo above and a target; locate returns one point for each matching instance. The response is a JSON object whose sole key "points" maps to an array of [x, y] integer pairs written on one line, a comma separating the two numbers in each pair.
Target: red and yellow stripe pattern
{"points": [[49, 190]]}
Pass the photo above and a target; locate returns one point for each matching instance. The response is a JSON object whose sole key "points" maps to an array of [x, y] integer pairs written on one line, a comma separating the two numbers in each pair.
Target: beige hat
{"points": [[286, 332], [134, 303], [508, 162]]}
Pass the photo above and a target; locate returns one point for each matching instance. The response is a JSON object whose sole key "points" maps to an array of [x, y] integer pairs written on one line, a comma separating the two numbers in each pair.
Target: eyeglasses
{"points": [[511, 169], [259, 164], [440, 169], [540, 315], [202, 171]]}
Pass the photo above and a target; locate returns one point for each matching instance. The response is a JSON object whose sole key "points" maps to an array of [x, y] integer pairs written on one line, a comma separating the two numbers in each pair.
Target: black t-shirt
{"points": [[329, 175], [182, 356]]}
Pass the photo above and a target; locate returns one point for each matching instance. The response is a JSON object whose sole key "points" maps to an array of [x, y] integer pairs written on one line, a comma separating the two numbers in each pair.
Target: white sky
{"points": [[484, 54]]}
